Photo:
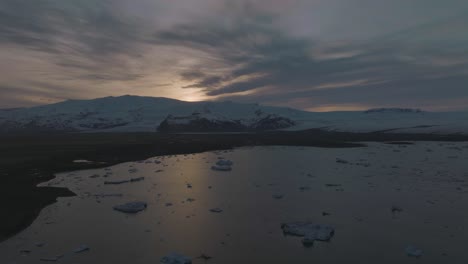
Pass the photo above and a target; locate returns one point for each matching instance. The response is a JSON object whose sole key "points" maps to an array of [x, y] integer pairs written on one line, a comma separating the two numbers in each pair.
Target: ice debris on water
{"points": [[277, 196], [222, 165], [216, 210], [204, 257], [396, 209], [51, 259], [131, 207], [223, 162], [309, 231], [116, 182], [338, 160], [82, 161], [125, 181], [81, 248], [221, 168], [175, 258], [413, 251], [137, 179]]}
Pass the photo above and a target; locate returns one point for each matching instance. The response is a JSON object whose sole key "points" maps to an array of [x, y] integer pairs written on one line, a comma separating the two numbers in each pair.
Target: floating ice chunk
{"points": [[413, 251], [396, 209], [81, 248], [309, 239], [137, 179], [223, 162], [338, 160], [216, 210], [277, 196], [131, 207], [116, 182], [175, 258], [221, 168], [82, 161], [52, 259], [25, 251], [311, 232], [204, 257], [125, 181]]}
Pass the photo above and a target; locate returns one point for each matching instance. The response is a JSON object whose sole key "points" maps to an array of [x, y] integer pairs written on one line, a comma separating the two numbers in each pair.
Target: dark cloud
{"points": [[262, 56], [192, 75], [327, 52]]}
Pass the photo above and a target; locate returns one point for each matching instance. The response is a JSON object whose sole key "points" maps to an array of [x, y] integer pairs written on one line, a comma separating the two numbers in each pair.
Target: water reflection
{"points": [[355, 196]]}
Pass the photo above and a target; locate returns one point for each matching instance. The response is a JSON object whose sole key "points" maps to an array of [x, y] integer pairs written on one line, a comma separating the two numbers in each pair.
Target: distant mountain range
{"points": [[134, 113]]}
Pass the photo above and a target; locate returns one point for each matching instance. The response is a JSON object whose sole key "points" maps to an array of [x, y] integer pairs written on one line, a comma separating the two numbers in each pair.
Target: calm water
{"points": [[429, 181]]}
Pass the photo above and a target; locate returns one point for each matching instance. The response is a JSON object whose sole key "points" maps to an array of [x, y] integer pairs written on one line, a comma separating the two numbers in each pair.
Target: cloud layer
{"points": [[317, 55]]}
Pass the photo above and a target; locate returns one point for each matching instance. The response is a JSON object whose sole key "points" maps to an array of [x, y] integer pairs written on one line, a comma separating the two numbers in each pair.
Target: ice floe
{"points": [[131, 207]]}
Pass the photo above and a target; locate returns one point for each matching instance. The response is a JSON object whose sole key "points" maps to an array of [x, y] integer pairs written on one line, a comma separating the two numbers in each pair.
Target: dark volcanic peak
{"points": [[198, 122]]}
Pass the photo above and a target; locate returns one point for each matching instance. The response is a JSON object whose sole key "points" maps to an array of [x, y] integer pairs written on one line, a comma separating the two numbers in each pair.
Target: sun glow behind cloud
{"points": [[339, 54]]}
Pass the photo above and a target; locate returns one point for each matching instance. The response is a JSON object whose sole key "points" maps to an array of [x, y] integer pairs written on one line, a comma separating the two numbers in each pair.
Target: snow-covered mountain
{"points": [[134, 113], [128, 113]]}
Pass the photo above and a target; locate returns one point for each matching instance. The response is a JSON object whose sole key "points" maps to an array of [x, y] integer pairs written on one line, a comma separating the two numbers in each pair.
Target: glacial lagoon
{"points": [[380, 200]]}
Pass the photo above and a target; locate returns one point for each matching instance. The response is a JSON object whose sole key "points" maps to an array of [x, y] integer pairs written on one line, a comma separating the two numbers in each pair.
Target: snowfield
{"points": [[134, 113]]}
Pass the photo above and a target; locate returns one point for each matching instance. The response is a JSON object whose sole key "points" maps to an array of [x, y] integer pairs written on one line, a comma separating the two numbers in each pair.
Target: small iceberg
{"points": [[309, 231], [131, 208]]}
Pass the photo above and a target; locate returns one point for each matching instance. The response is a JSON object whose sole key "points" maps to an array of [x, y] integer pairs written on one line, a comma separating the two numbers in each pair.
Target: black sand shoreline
{"points": [[29, 159]]}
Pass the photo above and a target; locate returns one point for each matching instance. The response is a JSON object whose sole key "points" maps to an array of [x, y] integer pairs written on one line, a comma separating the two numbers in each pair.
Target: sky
{"points": [[317, 55]]}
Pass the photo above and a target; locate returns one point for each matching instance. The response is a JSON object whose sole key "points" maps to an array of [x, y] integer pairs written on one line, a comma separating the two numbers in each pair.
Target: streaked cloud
{"points": [[321, 55]]}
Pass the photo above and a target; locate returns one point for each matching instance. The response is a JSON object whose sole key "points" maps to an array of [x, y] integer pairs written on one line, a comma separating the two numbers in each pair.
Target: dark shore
{"points": [[29, 159]]}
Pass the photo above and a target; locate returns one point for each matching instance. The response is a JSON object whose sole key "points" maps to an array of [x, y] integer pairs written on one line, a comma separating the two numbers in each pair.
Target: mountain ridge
{"points": [[130, 113]]}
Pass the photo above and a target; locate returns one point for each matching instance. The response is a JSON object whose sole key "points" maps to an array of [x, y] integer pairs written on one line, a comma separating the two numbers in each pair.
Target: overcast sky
{"points": [[317, 55]]}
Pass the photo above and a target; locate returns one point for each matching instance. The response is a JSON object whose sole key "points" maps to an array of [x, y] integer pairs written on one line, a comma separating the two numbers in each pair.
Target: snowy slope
{"points": [[124, 113], [134, 113]]}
